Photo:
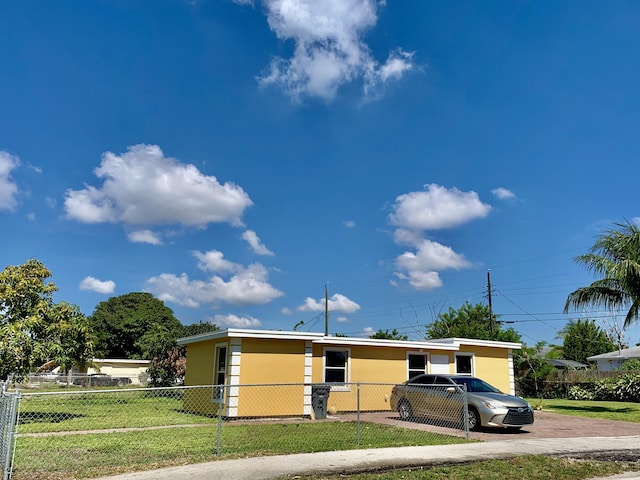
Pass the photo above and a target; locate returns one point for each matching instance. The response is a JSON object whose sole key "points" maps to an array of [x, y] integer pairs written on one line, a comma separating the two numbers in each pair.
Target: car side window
{"points": [[443, 381], [422, 380]]}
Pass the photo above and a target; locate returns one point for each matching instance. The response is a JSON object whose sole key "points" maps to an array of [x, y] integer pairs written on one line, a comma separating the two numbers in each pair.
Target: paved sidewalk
{"points": [[351, 461]]}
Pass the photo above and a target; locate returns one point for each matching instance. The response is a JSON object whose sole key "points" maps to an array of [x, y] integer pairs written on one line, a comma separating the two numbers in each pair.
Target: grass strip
{"points": [[91, 455], [527, 467]]}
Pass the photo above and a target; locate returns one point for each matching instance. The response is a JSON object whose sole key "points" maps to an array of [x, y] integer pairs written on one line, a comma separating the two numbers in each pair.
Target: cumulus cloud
{"points": [[143, 187], [234, 321], [8, 188], [434, 208], [503, 193], [337, 303], [95, 285], [144, 236], [328, 48], [256, 245], [227, 283]]}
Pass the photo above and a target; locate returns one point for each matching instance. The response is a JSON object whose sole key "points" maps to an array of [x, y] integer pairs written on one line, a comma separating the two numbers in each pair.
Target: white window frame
{"points": [[215, 395], [347, 374], [473, 363], [426, 362]]}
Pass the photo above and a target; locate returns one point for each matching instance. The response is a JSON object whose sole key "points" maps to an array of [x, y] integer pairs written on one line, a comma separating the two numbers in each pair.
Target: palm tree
{"points": [[616, 257]]}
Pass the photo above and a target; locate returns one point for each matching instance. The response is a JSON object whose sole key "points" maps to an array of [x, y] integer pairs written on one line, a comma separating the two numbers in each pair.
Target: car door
{"points": [[418, 393], [449, 399]]}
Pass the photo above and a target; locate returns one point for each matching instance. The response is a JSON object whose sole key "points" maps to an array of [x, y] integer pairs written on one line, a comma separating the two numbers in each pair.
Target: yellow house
{"points": [[273, 373]]}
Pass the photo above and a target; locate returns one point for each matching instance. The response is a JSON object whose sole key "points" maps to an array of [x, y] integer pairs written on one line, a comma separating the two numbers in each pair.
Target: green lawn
{"points": [[621, 411], [117, 409], [89, 455]]}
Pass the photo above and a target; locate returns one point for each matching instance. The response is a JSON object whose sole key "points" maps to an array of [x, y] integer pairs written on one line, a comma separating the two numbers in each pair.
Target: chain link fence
{"points": [[86, 433]]}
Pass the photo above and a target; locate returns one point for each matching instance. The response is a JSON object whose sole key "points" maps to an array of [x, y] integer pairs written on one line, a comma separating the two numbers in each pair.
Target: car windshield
{"points": [[475, 385]]}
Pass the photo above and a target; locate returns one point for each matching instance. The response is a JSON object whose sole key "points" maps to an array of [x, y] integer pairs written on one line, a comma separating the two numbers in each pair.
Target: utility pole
{"points": [[491, 323], [326, 310]]}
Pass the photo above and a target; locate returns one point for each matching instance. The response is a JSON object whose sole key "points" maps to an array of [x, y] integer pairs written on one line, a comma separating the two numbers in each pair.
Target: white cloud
{"points": [[254, 241], [285, 311], [420, 269], [367, 332], [421, 280], [95, 285], [437, 208], [337, 303], [342, 319], [349, 224], [143, 187], [431, 255], [329, 51], [235, 321], [503, 193], [8, 188], [231, 283], [144, 236], [214, 261]]}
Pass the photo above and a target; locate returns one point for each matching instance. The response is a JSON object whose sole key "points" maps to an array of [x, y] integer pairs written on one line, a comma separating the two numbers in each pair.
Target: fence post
{"points": [[221, 396], [358, 413], [465, 412], [10, 414]]}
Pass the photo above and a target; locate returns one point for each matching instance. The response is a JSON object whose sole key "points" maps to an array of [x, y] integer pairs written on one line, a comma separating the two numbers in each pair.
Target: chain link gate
{"points": [[8, 420]]}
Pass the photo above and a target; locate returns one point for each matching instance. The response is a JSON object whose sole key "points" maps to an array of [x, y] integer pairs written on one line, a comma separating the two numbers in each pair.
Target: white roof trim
{"points": [[477, 343], [378, 342], [247, 333], [319, 338]]}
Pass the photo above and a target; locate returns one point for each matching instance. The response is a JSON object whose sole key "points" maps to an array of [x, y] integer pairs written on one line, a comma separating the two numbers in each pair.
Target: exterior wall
{"points": [[492, 365], [609, 364], [273, 377], [268, 362], [200, 372], [135, 370]]}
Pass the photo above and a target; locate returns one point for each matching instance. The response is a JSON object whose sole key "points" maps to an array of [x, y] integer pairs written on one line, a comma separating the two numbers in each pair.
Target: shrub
{"points": [[580, 392], [633, 364]]}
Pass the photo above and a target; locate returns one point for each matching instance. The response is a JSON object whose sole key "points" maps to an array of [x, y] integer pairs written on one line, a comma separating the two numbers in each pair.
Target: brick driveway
{"points": [[546, 425]]}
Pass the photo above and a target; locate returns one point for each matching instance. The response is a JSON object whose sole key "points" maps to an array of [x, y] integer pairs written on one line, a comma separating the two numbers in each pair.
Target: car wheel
{"points": [[405, 410], [474, 419]]}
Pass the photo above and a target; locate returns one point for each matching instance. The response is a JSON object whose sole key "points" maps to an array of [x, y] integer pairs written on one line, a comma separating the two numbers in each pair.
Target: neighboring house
{"points": [[614, 360], [136, 370], [561, 364], [256, 360]]}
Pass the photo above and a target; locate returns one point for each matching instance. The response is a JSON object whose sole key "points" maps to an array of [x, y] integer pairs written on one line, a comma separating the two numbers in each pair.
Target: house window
{"points": [[336, 366], [464, 364], [417, 364], [220, 372]]}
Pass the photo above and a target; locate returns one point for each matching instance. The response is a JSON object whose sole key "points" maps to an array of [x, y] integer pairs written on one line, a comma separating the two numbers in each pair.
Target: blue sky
{"points": [[236, 158]]}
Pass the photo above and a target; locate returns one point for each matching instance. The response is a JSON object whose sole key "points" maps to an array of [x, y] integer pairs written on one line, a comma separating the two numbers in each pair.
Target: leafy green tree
{"points": [[393, 335], [583, 338], [198, 328], [33, 328], [169, 362], [533, 369], [615, 256], [470, 321], [135, 325]]}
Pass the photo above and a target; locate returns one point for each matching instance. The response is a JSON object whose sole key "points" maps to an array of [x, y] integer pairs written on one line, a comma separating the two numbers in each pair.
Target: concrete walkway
{"points": [[352, 461]]}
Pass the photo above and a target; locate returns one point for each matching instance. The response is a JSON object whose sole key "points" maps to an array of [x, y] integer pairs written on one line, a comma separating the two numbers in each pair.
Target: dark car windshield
{"points": [[475, 385]]}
